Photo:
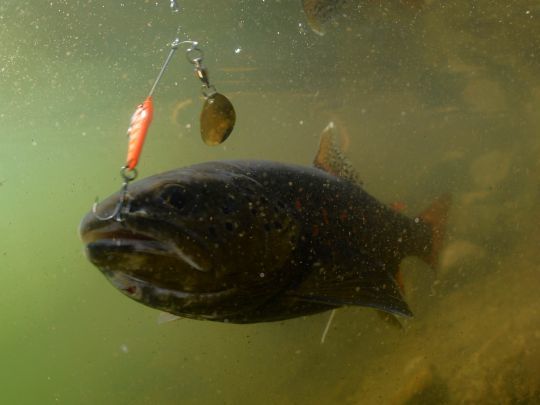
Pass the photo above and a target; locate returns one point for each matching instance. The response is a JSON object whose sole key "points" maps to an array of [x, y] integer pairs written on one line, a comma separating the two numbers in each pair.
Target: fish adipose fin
{"points": [[330, 157], [436, 216], [372, 285]]}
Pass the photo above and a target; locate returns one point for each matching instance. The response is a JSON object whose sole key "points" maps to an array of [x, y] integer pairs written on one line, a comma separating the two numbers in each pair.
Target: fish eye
{"points": [[175, 196]]}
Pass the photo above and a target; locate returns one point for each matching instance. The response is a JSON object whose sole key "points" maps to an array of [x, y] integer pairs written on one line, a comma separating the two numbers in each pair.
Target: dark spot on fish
{"points": [[226, 210], [229, 226], [212, 231], [267, 227]]}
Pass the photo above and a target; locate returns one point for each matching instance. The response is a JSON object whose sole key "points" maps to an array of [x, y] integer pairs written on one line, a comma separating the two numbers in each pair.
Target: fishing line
{"points": [[217, 119]]}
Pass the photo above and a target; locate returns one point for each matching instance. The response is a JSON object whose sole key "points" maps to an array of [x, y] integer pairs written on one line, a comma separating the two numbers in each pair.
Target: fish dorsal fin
{"points": [[363, 282], [331, 159]]}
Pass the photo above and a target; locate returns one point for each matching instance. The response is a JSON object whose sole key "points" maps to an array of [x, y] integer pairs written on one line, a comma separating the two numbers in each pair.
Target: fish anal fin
{"points": [[390, 319], [372, 285], [330, 157]]}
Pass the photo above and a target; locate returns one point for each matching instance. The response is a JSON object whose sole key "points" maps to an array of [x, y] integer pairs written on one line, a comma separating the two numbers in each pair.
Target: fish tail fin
{"points": [[436, 216]]}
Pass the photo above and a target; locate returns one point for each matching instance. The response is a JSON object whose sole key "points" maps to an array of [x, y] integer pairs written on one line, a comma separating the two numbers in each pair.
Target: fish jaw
{"points": [[157, 273], [104, 250], [165, 266], [134, 248], [113, 237], [180, 303]]}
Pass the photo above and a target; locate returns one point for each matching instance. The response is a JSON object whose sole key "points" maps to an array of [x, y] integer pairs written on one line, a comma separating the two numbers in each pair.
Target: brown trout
{"points": [[257, 241]]}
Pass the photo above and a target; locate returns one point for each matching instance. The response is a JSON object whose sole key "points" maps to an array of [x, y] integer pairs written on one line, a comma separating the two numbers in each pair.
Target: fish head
{"points": [[202, 242]]}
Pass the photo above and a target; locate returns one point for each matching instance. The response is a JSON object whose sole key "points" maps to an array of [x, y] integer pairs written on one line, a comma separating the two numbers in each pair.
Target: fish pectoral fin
{"points": [[370, 286], [166, 317]]}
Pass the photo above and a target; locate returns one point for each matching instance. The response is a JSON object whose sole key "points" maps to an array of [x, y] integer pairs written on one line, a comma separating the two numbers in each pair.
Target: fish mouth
{"points": [[110, 242]]}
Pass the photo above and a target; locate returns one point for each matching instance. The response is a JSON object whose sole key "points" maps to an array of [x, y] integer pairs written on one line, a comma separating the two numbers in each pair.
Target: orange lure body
{"points": [[138, 127]]}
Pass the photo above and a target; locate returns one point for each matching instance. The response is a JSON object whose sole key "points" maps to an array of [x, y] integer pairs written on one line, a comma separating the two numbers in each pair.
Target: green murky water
{"points": [[445, 97]]}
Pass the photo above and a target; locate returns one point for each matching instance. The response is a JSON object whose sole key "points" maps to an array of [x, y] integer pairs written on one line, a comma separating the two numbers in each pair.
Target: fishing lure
{"points": [[218, 116], [138, 127], [217, 122]]}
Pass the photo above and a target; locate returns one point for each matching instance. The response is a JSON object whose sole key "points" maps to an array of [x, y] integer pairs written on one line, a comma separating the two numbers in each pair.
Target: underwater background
{"points": [[433, 97]]}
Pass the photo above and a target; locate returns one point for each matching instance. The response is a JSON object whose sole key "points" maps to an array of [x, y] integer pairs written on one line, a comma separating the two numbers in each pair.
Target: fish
{"points": [[320, 12], [252, 241]]}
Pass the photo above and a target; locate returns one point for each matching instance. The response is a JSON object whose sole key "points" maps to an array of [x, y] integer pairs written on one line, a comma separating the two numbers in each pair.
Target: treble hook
{"points": [[122, 207]]}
